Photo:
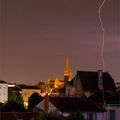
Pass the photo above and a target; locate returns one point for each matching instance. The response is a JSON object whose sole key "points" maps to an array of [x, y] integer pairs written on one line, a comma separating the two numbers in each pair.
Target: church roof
{"points": [[89, 80], [108, 97]]}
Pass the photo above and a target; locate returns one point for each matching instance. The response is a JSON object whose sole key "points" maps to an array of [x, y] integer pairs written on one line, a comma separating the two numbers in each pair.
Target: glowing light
{"points": [[67, 71], [103, 34], [46, 89], [25, 104], [11, 85], [58, 83]]}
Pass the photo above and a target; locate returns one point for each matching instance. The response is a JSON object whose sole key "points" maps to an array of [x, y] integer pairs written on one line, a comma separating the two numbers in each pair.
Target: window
{"points": [[4, 86]]}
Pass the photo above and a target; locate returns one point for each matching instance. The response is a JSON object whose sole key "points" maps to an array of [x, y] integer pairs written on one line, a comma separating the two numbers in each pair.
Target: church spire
{"points": [[67, 64], [67, 72]]}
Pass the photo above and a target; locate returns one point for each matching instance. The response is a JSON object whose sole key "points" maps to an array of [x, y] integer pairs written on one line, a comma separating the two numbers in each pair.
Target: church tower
{"points": [[67, 72]]}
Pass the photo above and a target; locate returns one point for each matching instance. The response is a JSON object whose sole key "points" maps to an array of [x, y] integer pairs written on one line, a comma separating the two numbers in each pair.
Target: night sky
{"points": [[37, 35]]}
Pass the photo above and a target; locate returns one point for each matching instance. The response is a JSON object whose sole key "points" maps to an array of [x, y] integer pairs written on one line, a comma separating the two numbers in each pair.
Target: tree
{"points": [[19, 97], [1, 105], [49, 116], [14, 96], [54, 115], [11, 95], [76, 116], [13, 106], [34, 99], [47, 89]]}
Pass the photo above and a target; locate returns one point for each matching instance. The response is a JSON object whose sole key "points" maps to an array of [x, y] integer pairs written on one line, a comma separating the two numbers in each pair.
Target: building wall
{"points": [[117, 114], [26, 93], [3, 92], [94, 116]]}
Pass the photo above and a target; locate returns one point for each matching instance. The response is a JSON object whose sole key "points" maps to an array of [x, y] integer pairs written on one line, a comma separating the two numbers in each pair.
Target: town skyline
{"points": [[37, 36]]}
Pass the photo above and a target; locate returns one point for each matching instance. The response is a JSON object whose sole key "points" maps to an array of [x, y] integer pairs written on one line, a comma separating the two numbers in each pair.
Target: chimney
{"points": [[100, 80]]}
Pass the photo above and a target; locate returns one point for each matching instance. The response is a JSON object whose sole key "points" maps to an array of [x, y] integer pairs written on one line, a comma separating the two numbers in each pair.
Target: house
{"points": [[3, 91], [27, 91], [91, 92], [14, 87], [87, 83]]}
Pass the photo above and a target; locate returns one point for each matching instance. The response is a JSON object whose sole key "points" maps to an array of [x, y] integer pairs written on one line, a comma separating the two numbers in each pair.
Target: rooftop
{"points": [[28, 87], [1, 81]]}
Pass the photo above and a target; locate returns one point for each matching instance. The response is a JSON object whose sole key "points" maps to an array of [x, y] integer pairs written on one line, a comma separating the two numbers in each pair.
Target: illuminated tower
{"points": [[67, 72]]}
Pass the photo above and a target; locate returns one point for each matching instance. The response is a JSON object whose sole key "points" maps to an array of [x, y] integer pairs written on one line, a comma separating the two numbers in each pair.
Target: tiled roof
{"points": [[74, 104], [107, 97], [16, 88]]}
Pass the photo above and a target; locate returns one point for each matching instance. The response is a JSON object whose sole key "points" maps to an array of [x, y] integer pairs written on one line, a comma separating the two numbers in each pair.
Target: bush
{"points": [[1, 105], [57, 116], [13, 106], [75, 116]]}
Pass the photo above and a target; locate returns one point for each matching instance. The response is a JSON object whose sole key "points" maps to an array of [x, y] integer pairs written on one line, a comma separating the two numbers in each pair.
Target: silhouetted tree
{"points": [[19, 97], [13, 106], [11, 95], [76, 116], [12, 110], [34, 99], [58, 116], [1, 105], [14, 96]]}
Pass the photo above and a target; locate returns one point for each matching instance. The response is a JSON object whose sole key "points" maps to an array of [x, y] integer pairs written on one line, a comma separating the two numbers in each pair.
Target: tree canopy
{"points": [[13, 106], [14, 96], [34, 99]]}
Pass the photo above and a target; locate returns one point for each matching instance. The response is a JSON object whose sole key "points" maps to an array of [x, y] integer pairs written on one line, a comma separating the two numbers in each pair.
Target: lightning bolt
{"points": [[103, 34]]}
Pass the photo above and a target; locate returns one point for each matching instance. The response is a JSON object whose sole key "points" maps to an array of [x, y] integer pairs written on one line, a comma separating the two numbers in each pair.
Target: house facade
{"points": [[3, 91], [27, 91]]}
